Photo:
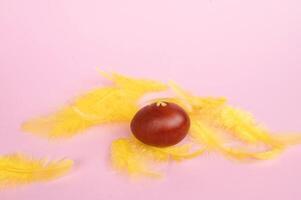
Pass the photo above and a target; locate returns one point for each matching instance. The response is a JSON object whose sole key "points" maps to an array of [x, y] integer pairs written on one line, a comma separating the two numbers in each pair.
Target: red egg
{"points": [[160, 124]]}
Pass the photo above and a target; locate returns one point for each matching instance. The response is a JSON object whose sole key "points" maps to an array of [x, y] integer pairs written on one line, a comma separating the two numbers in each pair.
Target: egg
{"points": [[160, 124]]}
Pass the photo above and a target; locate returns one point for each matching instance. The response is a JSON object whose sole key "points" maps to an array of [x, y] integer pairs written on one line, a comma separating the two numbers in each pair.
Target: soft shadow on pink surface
{"points": [[249, 51]]}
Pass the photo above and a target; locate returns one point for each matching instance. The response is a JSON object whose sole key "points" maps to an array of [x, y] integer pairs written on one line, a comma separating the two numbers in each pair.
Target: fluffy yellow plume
{"points": [[17, 169], [114, 104], [210, 116], [197, 105], [244, 127], [136, 158], [205, 135], [215, 126], [134, 85]]}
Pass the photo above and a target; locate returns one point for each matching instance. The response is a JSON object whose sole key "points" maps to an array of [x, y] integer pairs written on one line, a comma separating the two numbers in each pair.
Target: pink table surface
{"points": [[249, 51]]}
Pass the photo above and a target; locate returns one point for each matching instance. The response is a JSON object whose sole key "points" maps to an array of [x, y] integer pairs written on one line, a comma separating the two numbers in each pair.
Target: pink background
{"points": [[249, 51]]}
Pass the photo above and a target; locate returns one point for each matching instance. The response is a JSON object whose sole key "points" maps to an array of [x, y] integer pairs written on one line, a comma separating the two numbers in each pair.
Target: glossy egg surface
{"points": [[160, 124]]}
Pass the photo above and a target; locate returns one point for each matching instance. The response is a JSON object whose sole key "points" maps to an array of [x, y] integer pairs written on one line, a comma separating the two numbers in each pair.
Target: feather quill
{"points": [[18, 169]]}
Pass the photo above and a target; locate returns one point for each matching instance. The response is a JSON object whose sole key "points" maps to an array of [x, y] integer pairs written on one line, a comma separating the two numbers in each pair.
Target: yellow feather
{"points": [[135, 85], [125, 157], [206, 136], [288, 138], [119, 102], [243, 126], [198, 105], [136, 158], [240, 124], [113, 104], [17, 169]]}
